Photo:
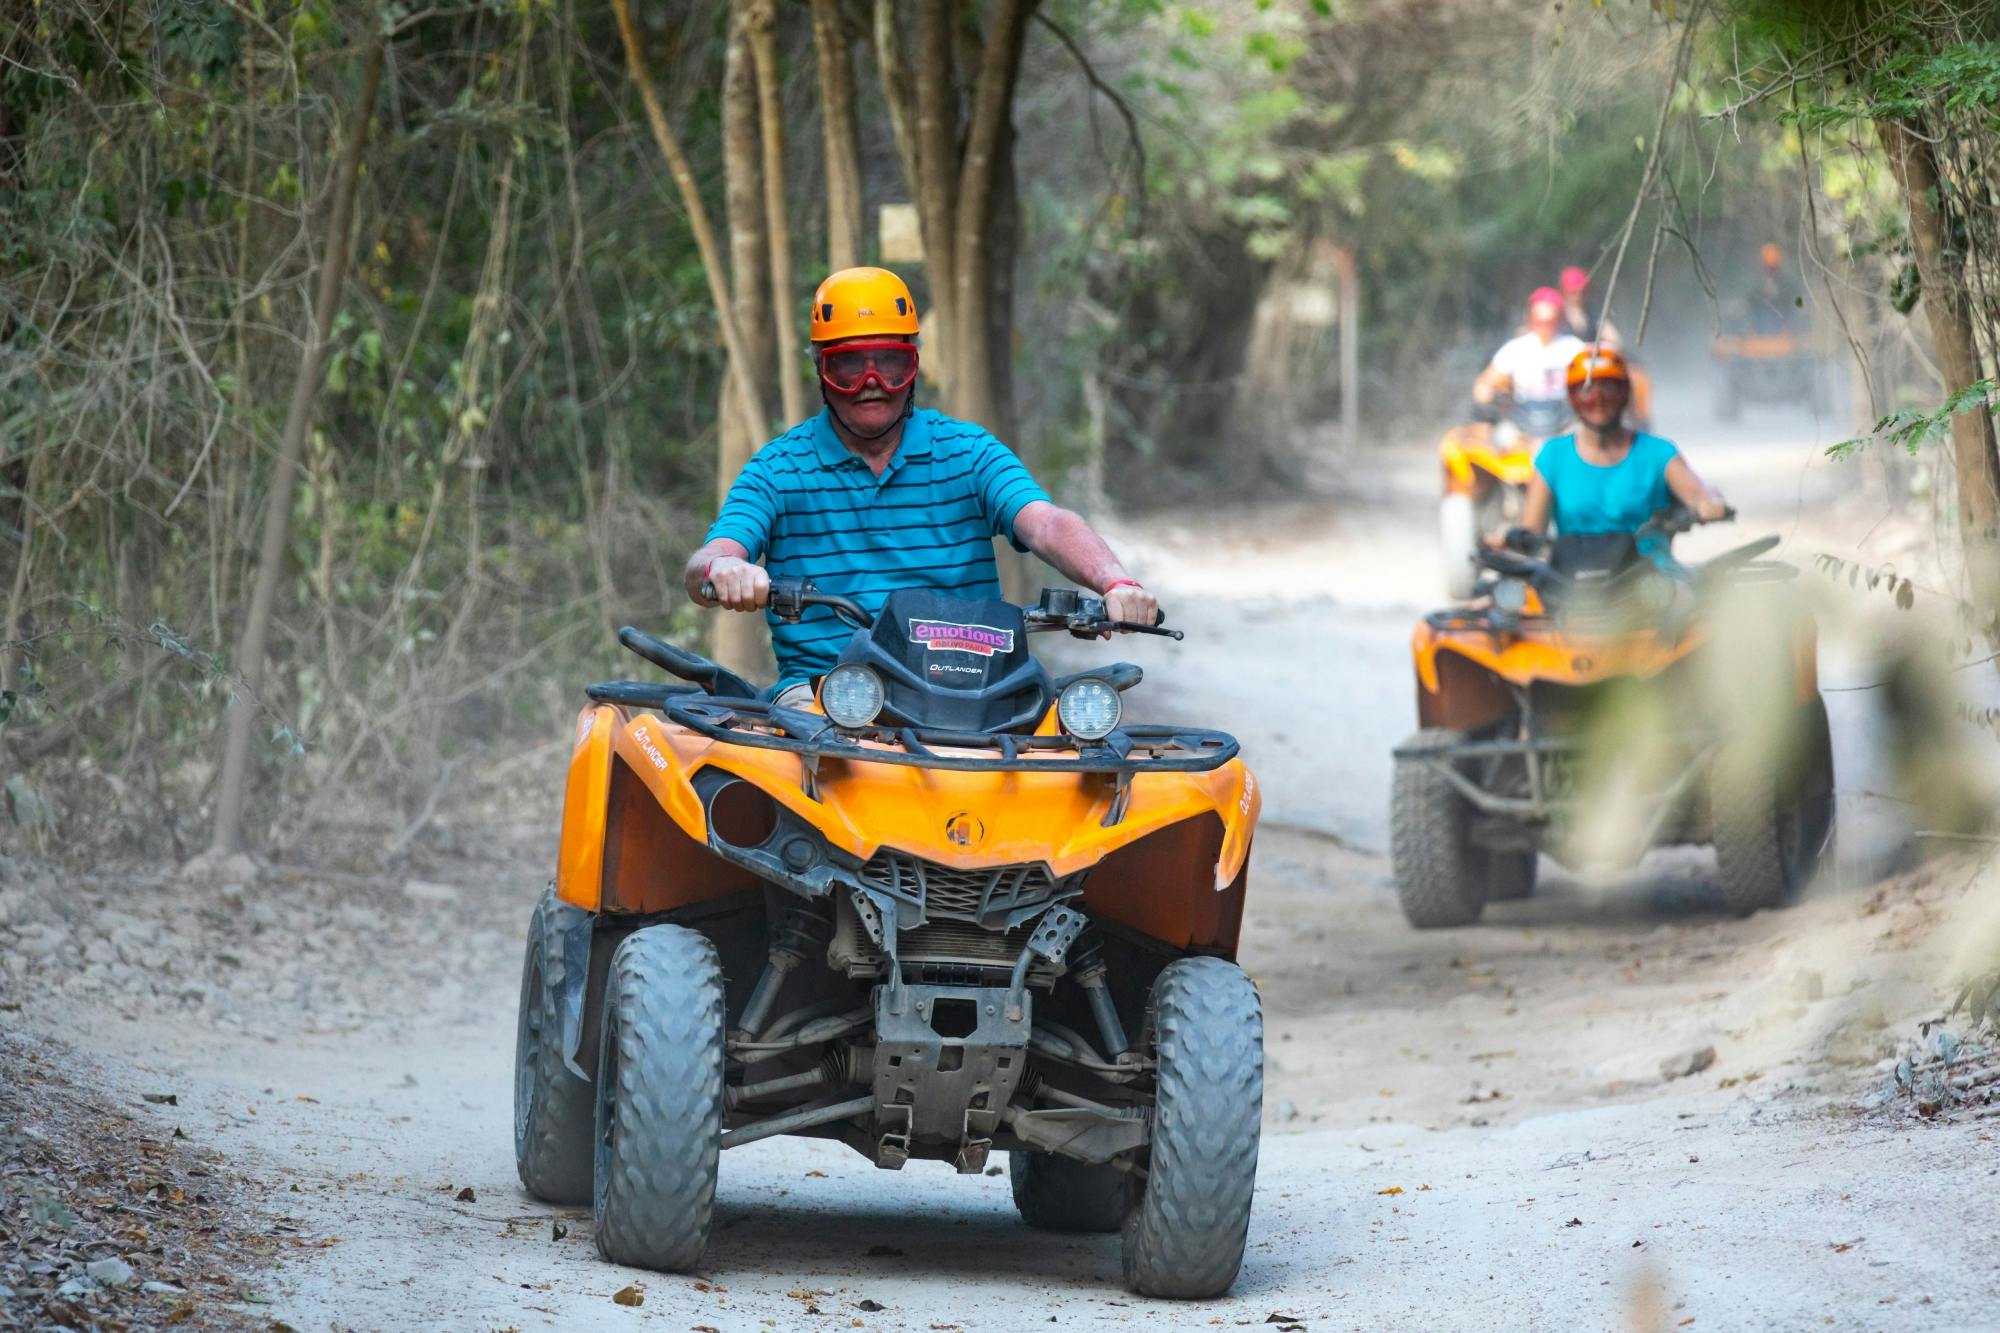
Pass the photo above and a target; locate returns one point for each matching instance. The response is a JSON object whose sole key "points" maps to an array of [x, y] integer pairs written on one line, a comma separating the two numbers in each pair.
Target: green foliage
{"points": [[1910, 429], [205, 35], [164, 188], [1962, 77]]}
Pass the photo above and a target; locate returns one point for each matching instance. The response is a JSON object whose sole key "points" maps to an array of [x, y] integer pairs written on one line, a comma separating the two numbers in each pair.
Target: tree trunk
{"points": [[249, 661], [1003, 247], [737, 641], [1350, 350], [936, 184], [898, 88], [697, 211], [1940, 268], [973, 391], [749, 247], [843, 143], [1018, 577], [17, 594], [483, 340], [761, 18]]}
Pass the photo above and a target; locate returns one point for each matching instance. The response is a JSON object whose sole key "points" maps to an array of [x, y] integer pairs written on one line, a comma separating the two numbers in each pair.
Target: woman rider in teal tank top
{"points": [[1603, 477]]}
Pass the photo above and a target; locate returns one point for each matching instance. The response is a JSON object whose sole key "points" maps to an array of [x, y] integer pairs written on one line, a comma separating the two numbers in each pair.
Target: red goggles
{"points": [[1601, 389], [848, 368]]}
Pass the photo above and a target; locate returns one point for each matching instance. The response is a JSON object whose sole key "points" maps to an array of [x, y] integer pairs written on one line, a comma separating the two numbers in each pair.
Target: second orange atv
{"points": [[1597, 703], [1487, 467], [958, 906]]}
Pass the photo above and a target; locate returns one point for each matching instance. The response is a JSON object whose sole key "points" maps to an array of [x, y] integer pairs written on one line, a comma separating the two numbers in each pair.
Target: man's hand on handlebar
{"points": [[1518, 539], [1713, 509], [735, 585], [1131, 603]]}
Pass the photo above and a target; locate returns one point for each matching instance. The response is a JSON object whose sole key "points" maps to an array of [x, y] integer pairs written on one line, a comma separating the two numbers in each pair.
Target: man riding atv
{"points": [[1575, 284], [1529, 368], [875, 494], [940, 904], [1766, 354], [1488, 460]]}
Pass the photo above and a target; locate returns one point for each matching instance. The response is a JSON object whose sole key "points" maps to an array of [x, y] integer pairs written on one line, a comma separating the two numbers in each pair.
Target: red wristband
{"points": [[1122, 583]]}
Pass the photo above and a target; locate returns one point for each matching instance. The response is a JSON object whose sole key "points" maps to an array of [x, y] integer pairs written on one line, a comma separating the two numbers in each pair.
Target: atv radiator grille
{"points": [[965, 895], [961, 941]]}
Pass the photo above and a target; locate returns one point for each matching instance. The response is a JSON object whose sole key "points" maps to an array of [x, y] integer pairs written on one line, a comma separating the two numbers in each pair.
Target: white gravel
{"points": [[349, 1037]]}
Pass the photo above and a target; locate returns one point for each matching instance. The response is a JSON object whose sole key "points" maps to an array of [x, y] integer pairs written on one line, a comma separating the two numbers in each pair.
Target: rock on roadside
{"points": [[1686, 1063]]}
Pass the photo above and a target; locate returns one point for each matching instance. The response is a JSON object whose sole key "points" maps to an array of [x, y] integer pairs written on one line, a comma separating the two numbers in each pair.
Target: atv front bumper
{"points": [[1523, 786]]}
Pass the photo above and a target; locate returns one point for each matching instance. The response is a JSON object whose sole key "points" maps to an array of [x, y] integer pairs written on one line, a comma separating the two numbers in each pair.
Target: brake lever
{"points": [[1134, 627]]}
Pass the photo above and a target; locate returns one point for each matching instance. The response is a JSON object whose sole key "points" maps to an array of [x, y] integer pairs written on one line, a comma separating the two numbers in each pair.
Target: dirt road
{"points": [[1464, 1128]]}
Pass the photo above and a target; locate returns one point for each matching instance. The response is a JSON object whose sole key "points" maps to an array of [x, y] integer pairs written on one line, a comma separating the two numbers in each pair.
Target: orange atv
{"points": [[1597, 703], [1487, 467], [1766, 363], [957, 905]]}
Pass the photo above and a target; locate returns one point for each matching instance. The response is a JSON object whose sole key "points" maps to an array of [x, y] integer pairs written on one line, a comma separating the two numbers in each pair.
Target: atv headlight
{"points": [[1510, 594], [1089, 709], [851, 695], [1655, 592]]}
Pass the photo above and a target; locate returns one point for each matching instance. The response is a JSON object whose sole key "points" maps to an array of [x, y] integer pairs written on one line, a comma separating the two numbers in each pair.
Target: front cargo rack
{"points": [[1137, 748]]}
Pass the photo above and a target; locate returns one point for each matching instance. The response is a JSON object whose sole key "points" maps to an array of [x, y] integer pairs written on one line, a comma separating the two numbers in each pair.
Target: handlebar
{"points": [[790, 597], [1060, 608], [1526, 554], [1083, 616], [1676, 519]]}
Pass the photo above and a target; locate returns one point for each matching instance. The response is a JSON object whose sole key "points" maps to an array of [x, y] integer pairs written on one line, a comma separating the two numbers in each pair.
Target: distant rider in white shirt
{"points": [[1532, 366]]}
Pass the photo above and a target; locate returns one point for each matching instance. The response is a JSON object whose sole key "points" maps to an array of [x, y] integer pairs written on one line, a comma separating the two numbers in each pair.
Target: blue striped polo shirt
{"points": [[811, 509]]}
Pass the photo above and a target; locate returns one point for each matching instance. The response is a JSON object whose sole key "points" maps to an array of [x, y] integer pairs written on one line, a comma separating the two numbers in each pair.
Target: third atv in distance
{"points": [[1582, 710]]}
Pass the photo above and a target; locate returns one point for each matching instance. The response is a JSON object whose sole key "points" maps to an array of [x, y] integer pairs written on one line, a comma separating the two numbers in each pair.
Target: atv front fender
{"points": [[1167, 851], [572, 927]]}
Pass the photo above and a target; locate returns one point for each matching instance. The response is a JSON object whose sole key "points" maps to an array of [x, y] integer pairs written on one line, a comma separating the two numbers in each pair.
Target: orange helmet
{"points": [[1598, 363], [1773, 256], [857, 302]]}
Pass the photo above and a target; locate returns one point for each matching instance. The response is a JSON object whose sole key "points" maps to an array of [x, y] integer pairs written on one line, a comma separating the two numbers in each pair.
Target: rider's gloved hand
{"points": [[738, 584], [1128, 601]]}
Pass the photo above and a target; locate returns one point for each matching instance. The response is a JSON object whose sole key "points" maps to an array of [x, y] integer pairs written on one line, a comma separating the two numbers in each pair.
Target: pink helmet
{"points": [[1544, 296], [1574, 280]]}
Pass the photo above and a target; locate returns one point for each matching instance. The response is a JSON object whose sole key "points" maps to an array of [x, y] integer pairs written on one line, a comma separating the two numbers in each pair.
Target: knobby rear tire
{"points": [[1773, 816], [553, 1108], [1187, 1223], [659, 1100], [1057, 1193], [1441, 878]]}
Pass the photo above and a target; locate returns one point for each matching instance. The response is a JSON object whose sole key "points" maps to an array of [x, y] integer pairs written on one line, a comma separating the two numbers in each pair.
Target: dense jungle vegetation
{"points": [[362, 365]]}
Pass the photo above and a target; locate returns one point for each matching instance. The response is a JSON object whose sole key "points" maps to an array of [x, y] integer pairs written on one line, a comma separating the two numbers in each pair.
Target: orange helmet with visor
{"points": [[864, 326], [1597, 364]]}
